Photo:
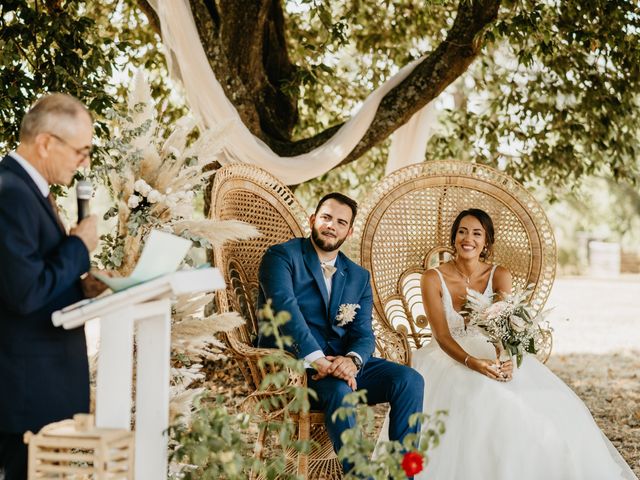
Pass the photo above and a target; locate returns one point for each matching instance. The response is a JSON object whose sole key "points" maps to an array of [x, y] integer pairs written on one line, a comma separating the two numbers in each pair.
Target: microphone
{"points": [[84, 192]]}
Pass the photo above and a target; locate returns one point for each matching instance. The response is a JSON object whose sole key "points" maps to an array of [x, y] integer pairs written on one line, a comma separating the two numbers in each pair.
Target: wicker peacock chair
{"points": [[404, 226], [247, 193]]}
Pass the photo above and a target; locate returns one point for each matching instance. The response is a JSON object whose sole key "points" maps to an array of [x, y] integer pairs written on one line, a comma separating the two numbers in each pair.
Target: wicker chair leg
{"points": [[258, 448], [304, 433]]}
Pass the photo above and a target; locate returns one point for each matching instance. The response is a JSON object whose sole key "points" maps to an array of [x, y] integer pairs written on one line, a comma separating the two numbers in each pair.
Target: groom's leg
{"points": [[331, 391], [397, 384]]}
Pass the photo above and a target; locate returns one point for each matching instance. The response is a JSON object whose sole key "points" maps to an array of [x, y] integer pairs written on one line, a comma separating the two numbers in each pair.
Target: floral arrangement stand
{"points": [[76, 449]]}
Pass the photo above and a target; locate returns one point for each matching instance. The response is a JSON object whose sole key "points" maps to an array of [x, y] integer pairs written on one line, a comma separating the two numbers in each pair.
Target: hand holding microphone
{"points": [[87, 228], [84, 192]]}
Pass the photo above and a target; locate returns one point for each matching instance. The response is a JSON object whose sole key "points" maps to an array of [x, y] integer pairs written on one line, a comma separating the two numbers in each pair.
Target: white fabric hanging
{"points": [[409, 142], [187, 59]]}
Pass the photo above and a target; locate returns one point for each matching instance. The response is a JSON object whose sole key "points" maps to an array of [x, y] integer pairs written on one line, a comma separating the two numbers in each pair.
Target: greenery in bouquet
{"points": [[510, 324]]}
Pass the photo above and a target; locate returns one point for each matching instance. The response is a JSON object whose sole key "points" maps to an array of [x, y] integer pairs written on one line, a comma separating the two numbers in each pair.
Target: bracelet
{"points": [[466, 359]]}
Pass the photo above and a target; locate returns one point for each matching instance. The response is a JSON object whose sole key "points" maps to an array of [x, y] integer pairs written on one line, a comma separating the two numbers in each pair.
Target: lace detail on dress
{"points": [[455, 321]]}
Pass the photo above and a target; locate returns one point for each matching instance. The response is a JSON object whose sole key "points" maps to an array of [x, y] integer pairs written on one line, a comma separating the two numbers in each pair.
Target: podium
{"points": [[143, 310]]}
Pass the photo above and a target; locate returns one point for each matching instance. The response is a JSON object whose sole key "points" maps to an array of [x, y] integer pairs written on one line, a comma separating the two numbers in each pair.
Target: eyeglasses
{"points": [[84, 152]]}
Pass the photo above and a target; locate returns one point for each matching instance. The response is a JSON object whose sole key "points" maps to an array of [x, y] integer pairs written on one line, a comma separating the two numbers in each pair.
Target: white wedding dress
{"points": [[531, 428]]}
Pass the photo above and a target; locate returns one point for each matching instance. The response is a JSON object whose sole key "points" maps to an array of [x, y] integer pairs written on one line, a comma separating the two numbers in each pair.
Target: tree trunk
{"points": [[245, 44]]}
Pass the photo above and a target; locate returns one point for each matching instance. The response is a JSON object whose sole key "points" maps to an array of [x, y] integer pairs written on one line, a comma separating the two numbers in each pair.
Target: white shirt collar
{"points": [[35, 175], [331, 262]]}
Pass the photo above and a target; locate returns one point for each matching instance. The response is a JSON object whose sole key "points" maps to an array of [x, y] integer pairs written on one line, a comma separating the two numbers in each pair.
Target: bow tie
{"points": [[327, 270]]}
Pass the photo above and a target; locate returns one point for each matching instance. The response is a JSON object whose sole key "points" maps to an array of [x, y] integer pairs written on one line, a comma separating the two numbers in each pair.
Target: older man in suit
{"points": [[330, 302], [44, 370]]}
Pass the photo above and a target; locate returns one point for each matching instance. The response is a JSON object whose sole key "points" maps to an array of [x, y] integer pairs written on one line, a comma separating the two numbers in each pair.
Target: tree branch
{"points": [[435, 73], [148, 10], [246, 47]]}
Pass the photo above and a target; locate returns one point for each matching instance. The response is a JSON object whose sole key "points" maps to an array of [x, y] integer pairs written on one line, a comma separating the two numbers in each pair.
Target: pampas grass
{"points": [[153, 172]]}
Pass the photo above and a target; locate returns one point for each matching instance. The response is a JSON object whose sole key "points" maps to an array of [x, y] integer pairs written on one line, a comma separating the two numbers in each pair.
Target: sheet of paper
{"points": [[162, 253]]}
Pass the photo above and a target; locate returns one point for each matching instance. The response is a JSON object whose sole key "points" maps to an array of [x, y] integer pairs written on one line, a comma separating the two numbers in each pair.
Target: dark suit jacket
{"points": [[290, 275], [43, 369]]}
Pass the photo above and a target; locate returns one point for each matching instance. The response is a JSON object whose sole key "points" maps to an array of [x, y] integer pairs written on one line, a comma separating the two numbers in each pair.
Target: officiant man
{"points": [[330, 302], [43, 369]]}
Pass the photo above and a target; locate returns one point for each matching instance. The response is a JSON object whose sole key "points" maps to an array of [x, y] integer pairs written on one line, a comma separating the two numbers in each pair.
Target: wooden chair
{"points": [[247, 193], [403, 228]]}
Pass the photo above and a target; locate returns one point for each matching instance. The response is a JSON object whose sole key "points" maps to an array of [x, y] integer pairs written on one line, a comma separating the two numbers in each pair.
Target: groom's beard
{"points": [[326, 245]]}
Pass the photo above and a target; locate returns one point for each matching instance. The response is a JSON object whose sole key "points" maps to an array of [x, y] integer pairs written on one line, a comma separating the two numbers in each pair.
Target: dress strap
{"points": [[489, 289], [446, 296]]}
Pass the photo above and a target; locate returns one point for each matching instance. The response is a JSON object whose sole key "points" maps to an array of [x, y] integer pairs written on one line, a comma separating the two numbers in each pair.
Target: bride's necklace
{"points": [[466, 278]]}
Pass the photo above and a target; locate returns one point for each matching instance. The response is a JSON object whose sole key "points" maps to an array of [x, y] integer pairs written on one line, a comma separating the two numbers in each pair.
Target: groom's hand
{"points": [[321, 366], [344, 368]]}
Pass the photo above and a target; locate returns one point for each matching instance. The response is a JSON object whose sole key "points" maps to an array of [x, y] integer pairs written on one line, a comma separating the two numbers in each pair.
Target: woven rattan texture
{"points": [[246, 193], [404, 228]]}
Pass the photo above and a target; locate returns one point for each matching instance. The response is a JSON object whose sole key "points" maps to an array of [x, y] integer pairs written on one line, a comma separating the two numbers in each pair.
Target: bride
{"points": [[503, 422]]}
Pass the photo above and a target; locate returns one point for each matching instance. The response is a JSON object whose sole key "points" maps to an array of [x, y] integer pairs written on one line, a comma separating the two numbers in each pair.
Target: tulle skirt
{"points": [[531, 428]]}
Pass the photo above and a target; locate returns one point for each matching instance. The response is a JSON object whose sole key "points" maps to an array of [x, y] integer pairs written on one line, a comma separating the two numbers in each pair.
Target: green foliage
{"points": [[48, 50], [87, 48], [216, 444], [555, 95], [360, 443]]}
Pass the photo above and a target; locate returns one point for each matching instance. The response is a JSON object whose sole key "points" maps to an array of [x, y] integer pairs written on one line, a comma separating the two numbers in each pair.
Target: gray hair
{"points": [[53, 113]]}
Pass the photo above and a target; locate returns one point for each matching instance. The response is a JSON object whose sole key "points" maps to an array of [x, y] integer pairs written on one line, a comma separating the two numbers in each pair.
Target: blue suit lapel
{"points": [[312, 262], [11, 164], [337, 287]]}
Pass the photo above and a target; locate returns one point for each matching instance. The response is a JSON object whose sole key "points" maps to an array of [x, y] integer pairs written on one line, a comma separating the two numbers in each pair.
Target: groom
{"points": [[329, 299]]}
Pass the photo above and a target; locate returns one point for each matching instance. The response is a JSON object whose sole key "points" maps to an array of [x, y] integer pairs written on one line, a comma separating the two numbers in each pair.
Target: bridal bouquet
{"points": [[510, 324]]}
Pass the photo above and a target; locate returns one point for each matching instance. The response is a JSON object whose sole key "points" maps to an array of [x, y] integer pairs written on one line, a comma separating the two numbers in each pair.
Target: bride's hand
{"points": [[506, 369], [486, 367]]}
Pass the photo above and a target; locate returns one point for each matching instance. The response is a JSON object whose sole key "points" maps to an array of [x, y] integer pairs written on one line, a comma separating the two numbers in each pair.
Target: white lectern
{"points": [[147, 308]]}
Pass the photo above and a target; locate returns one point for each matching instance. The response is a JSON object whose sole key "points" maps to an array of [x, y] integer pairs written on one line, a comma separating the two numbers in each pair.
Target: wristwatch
{"points": [[356, 361]]}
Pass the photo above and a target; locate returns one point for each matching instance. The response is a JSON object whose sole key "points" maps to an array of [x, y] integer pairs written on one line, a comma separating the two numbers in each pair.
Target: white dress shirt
{"points": [[35, 175]]}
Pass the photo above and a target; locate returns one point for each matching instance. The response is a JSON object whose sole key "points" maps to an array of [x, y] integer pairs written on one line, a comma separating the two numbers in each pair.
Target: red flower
{"points": [[412, 463]]}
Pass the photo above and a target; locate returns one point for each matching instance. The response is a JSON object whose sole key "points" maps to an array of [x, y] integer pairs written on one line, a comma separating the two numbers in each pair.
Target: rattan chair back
{"points": [[404, 228], [247, 193]]}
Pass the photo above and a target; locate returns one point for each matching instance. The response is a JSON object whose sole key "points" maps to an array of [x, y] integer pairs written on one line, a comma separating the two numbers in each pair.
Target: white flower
{"points": [[346, 313], [171, 202], [517, 323], [155, 196], [142, 187], [495, 310], [133, 202]]}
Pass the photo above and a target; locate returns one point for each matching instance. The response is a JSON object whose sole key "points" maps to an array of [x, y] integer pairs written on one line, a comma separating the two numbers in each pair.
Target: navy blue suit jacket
{"points": [[290, 275], [43, 369]]}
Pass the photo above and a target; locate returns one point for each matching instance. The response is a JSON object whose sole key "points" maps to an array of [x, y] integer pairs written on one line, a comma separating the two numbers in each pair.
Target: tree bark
{"points": [[246, 46]]}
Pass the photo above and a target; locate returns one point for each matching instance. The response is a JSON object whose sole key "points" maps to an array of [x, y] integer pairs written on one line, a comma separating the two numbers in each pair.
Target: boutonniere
{"points": [[346, 313]]}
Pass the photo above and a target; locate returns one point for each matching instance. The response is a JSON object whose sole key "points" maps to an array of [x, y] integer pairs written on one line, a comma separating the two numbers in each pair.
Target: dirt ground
{"points": [[596, 352]]}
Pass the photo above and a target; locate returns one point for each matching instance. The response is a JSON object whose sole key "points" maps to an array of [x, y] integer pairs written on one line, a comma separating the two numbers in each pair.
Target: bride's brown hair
{"points": [[486, 222]]}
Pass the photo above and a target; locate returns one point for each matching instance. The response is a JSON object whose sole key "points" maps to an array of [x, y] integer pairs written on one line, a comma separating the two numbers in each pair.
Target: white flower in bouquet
{"points": [[133, 202], [508, 324], [155, 196], [142, 187]]}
